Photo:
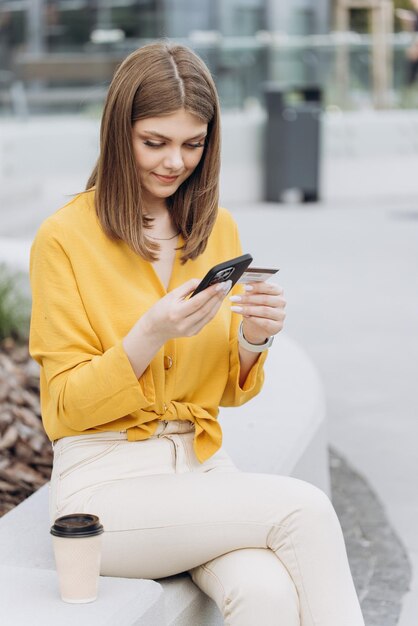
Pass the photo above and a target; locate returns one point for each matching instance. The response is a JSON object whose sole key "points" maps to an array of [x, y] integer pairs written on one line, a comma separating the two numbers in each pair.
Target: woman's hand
{"points": [[175, 315], [262, 307]]}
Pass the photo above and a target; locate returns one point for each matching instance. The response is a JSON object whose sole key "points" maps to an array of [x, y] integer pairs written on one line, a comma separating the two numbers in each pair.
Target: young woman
{"points": [[133, 371]]}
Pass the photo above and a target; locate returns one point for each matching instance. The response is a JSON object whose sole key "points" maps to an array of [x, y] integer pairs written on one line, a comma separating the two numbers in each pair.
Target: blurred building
{"points": [[69, 23], [76, 44], [60, 54]]}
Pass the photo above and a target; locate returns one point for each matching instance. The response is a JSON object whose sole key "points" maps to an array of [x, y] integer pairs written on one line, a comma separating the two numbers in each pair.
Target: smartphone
{"points": [[228, 270]]}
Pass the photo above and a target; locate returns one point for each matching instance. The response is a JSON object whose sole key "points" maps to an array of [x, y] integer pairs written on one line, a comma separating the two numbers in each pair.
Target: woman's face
{"points": [[167, 149]]}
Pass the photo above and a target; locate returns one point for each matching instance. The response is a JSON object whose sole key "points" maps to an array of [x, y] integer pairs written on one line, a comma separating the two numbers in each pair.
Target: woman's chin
{"points": [[163, 193]]}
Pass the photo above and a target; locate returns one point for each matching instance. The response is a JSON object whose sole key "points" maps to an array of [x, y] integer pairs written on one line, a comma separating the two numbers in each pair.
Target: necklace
{"points": [[164, 238]]}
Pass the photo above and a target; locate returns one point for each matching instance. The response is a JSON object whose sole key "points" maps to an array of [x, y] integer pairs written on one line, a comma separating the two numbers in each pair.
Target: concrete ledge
{"points": [[186, 605], [282, 430], [30, 596]]}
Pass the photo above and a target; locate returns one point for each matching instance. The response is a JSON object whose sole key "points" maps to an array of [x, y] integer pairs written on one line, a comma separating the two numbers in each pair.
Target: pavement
{"points": [[349, 269], [350, 274]]}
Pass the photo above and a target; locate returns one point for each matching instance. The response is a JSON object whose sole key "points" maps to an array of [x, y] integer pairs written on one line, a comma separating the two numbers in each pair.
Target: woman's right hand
{"points": [[175, 315]]}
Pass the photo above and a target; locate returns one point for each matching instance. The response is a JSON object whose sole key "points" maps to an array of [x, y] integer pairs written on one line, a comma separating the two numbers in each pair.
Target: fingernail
{"points": [[225, 286], [248, 287], [235, 298], [236, 309]]}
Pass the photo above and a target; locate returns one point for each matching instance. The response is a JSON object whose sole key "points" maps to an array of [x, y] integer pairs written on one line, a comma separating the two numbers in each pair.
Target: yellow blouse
{"points": [[87, 293]]}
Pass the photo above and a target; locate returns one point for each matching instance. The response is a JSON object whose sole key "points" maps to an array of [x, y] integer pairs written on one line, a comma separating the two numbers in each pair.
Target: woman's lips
{"points": [[165, 179]]}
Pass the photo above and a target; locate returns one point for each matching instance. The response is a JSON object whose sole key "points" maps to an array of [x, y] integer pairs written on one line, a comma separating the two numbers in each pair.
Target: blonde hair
{"points": [[157, 79]]}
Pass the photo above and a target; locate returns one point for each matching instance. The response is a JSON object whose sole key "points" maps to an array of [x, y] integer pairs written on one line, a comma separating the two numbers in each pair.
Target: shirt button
{"points": [[168, 362], [165, 407]]}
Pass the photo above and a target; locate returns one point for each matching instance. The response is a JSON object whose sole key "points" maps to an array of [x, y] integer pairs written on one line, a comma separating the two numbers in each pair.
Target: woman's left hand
{"points": [[262, 308]]}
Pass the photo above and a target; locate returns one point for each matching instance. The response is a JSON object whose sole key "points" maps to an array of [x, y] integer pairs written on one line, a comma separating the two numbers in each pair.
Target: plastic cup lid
{"points": [[77, 525]]}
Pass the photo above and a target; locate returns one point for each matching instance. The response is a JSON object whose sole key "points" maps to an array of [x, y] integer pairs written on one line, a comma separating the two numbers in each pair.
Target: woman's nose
{"points": [[174, 159]]}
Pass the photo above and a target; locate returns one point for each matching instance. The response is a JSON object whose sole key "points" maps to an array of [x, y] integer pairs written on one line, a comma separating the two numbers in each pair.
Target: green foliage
{"points": [[14, 307], [402, 4]]}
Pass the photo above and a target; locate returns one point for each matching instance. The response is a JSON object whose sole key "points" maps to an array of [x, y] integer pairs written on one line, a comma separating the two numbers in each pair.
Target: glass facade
{"points": [[59, 55]]}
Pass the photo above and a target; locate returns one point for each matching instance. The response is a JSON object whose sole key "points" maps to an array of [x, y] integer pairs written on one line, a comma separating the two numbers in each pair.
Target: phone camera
{"points": [[224, 274]]}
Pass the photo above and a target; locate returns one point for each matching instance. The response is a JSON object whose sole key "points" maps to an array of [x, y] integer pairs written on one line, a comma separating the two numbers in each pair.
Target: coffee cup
{"points": [[77, 548]]}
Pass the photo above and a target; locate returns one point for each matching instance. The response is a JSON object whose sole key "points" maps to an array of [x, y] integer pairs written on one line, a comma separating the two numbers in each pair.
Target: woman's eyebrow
{"points": [[155, 134], [160, 136], [199, 136]]}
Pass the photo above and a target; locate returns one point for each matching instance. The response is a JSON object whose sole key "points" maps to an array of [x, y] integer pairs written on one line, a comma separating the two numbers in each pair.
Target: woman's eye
{"points": [[153, 144], [159, 144]]}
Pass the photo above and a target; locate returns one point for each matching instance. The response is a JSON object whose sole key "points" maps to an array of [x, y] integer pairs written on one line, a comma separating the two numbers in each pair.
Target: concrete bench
{"points": [[280, 431]]}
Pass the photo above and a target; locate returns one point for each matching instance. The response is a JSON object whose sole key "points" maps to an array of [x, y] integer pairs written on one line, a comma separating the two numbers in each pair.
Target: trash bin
{"points": [[292, 144]]}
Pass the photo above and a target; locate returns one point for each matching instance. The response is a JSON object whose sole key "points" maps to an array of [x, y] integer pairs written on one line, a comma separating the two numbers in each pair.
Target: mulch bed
{"points": [[25, 450]]}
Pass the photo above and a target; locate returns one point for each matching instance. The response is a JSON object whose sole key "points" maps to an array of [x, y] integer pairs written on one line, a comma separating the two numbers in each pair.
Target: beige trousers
{"points": [[268, 549]]}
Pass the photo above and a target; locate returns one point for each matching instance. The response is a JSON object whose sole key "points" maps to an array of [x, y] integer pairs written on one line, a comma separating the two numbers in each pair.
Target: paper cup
{"points": [[77, 548]]}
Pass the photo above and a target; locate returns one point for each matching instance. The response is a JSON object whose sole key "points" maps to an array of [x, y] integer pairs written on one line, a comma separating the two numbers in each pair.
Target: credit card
{"points": [[257, 274]]}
